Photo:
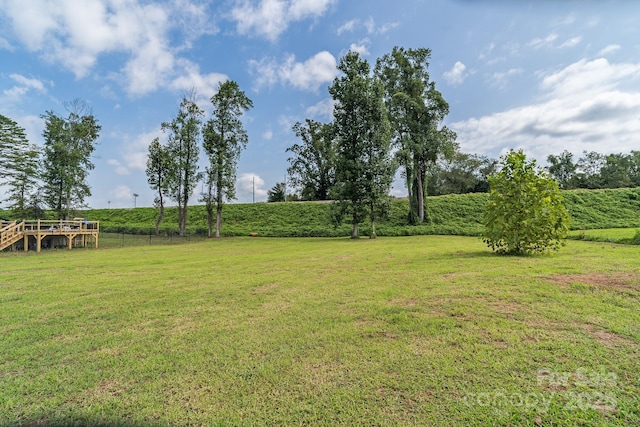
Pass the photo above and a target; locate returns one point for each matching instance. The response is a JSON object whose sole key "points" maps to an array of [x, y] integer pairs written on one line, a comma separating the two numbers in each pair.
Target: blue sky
{"points": [[545, 76]]}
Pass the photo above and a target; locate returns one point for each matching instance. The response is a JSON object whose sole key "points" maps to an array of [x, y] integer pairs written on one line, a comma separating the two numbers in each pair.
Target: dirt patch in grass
{"points": [[606, 338], [403, 302], [624, 281]]}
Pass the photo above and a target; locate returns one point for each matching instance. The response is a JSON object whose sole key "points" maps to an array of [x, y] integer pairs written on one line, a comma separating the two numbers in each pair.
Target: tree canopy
{"points": [[68, 145], [224, 139], [364, 169], [416, 111]]}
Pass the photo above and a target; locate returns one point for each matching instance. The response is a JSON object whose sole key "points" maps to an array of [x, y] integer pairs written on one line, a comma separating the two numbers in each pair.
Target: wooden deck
{"points": [[51, 234]]}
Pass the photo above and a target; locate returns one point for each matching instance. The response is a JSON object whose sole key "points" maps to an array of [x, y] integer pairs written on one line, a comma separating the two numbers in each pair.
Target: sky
{"points": [[543, 76]]}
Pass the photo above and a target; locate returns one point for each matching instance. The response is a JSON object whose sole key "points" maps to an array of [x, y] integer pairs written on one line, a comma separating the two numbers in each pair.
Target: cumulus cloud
{"points": [[190, 77], [248, 185], [308, 75], [22, 86], [360, 48], [270, 18], [322, 109], [76, 34], [583, 107], [456, 75], [134, 152], [268, 134]]}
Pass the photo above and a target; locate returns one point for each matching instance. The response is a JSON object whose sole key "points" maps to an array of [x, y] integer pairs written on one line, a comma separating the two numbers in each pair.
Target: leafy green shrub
{"points": [[524, 213]]}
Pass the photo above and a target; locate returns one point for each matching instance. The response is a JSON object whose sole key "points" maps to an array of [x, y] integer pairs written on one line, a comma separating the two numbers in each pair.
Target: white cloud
{"points": [[270, 18], [309, 75], [583, 107], [369, 26], [27, 82], [537, 43], [23, 86], [571, 42], [348, 26], [134, 152], [609, 49], [268, 134], [121, 192], [323, 108], [190, 78], [456, 75], [361, 48], [75, 34], [248, 185]]}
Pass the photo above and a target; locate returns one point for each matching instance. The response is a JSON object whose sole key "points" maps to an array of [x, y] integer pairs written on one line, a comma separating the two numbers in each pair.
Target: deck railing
{"points": [[12, 232]]}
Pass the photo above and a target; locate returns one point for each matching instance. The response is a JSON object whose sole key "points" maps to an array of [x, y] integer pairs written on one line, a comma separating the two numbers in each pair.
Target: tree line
{"points": [[386, 118]]}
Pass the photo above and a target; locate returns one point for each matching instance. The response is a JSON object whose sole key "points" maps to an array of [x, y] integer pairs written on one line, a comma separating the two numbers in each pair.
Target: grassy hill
{"points": [[450, 214]]}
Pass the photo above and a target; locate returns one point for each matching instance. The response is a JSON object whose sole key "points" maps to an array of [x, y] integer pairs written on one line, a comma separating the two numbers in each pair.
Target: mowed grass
{"points": [[422, 330]]}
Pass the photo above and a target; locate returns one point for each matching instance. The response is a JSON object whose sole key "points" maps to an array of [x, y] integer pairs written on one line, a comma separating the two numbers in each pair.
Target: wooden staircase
{"points": [[10, 233]]}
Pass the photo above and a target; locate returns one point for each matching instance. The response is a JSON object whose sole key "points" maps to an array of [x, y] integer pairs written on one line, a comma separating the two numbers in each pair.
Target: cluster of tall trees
{"points": [[53, 176], [594, 170], [383, 119], [172, 168]]}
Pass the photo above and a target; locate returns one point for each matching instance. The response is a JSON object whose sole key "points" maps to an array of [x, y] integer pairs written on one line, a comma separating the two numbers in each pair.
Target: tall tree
{"points": [[18, 167], [158, 171], [68, 146], [588, 170], [364, 170], [313, 161], [416, 112], [617, 171], [183, 146], [563, 169], [224, 139]]}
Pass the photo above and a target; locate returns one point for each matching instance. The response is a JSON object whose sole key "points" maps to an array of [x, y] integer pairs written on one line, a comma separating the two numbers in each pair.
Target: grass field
{"points": [[424, 330]]}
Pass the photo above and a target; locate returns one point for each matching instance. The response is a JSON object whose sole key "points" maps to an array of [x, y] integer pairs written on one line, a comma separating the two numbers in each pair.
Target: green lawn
{"points": [[423, 330]]}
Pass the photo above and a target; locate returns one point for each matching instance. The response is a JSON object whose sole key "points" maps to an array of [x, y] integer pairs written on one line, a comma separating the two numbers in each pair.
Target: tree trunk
{"points": [[354, 230], [420, 191], [210, 216], [160, 218], [218, 220], [373, 229]]}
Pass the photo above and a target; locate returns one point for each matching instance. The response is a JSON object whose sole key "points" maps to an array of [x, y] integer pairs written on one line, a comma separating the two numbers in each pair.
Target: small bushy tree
{"points": [[524, 213]]}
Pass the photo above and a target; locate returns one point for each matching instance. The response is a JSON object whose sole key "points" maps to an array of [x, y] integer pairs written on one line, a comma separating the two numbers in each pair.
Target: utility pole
{"points": [[135, 196]]}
